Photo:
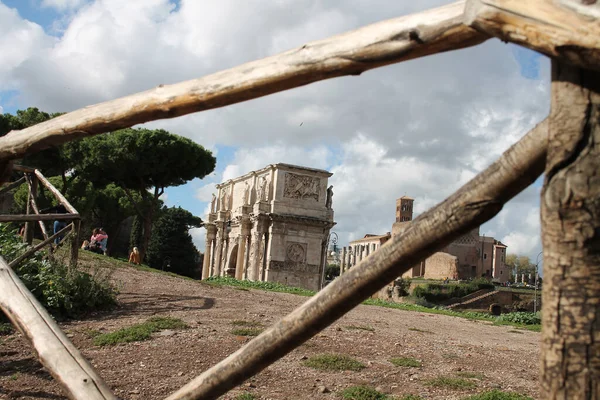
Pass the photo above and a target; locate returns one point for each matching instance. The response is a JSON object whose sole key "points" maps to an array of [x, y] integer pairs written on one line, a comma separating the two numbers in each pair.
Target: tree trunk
{"points": [[147, 232], [570, 208]]}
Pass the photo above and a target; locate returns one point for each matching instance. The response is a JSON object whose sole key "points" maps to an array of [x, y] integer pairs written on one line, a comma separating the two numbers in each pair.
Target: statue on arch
{"points": [[213, 202], [329, 201], [246, 194]]}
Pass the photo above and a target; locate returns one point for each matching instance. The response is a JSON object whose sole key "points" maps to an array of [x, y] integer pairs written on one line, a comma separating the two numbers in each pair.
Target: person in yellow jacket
{"points": [[134, 257]]}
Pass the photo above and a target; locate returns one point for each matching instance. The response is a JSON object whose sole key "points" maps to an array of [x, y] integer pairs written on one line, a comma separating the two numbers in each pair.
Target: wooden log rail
{"points": [[563, 29], [55, 351]]}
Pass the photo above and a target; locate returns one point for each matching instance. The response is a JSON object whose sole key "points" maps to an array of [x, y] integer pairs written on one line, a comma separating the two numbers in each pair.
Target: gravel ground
{"points": [[492, 356]]}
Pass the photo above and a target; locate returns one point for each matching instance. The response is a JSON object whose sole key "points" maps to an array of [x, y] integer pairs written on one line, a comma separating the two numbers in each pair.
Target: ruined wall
{"points": [[441, 265]]}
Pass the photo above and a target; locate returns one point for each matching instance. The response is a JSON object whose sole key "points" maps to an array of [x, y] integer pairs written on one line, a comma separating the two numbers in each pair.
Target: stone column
{"points": [[211, 231], [241, 256], [216, 267], [256, 251], [368, 250], [343, 262]]}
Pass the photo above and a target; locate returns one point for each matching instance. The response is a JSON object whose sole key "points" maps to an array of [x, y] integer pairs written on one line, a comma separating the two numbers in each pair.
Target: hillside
{"points": [[476, 355]]}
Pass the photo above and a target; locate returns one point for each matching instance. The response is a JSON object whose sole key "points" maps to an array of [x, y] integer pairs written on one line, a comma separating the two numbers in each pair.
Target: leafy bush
{"points": [[362, 393], [332, 271], [334, 362], [62, 291], [403, 286], [437, 292], [521, 318]]}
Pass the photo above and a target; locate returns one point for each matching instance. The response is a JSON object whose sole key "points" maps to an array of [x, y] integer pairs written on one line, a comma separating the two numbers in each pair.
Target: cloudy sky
{"points": [[420, 128]]}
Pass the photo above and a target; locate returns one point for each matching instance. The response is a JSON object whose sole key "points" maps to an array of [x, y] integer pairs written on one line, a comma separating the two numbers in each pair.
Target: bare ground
{"points": [[504, 358]]}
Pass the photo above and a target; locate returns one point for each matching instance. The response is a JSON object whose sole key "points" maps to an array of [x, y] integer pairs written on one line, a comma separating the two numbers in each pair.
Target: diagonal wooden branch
{"points": [[57, 194], [12, 185], [54, 349], [475, 203], [568, 30], [37, 247], [351, 53]]}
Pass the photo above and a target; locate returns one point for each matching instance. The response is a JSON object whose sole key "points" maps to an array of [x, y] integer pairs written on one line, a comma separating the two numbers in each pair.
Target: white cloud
{"points": [[63, 5], [420, 128]]}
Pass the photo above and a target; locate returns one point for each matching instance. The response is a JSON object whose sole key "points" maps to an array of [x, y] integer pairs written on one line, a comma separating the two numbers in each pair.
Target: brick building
{"points": [[470, 256]]}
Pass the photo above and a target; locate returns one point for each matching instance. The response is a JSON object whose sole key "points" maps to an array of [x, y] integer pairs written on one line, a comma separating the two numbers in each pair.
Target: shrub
{"points": [[403, 285], [332, 271], [64, 292], [334, 362], [362, 393], [521, 318], [437, 292]]}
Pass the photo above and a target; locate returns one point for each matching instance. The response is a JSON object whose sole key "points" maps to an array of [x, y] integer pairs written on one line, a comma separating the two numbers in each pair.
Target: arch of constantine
{"points": [[271, 225]]}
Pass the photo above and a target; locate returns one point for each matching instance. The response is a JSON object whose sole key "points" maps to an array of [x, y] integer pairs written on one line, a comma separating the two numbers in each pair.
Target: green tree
{"points": [[519, 265], [56, 160], [171, 245], [145, 162]]}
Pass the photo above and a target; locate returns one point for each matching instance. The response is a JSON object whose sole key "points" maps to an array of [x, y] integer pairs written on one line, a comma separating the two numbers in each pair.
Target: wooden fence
{"points": [[33, 178], [564, 146]]}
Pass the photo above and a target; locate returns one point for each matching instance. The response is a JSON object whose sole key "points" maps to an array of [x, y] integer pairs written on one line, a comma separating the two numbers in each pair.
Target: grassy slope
{"points": [[89, 258]]}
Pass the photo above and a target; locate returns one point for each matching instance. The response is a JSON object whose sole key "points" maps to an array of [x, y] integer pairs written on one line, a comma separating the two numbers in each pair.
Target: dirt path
{"points": [[502, 357]]}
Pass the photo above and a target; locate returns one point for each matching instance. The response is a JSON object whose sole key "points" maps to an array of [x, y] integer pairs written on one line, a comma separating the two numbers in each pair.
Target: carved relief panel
{"points": [[296, 252], [301, 187]]}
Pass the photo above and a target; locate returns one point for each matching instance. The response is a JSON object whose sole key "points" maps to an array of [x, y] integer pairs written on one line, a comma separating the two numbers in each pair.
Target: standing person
{"points": [[134, 257], [58, 224]]}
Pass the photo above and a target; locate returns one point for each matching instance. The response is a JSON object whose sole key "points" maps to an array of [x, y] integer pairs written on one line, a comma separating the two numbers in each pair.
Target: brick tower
{"points": [[404, 209]]}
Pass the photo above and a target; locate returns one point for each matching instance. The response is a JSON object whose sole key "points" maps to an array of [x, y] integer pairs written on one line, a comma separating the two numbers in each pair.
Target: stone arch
{"points": [[232, 263]]}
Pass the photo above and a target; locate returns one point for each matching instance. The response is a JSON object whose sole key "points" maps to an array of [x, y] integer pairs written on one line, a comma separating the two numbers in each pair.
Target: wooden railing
{"points": [[33, 178], [565, 146]]}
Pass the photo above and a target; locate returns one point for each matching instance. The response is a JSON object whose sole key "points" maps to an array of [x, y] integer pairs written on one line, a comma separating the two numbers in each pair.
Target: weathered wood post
{"points": [[570, 209], [76, 226], [33, 184]]}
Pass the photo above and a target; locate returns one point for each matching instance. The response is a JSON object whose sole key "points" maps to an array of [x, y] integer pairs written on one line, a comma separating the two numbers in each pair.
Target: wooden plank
{"points": [[57, 194], [568, 30], [387, 42], [12, 185], [39, 246], [60, 357], [37, 217], [475, 203]]}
